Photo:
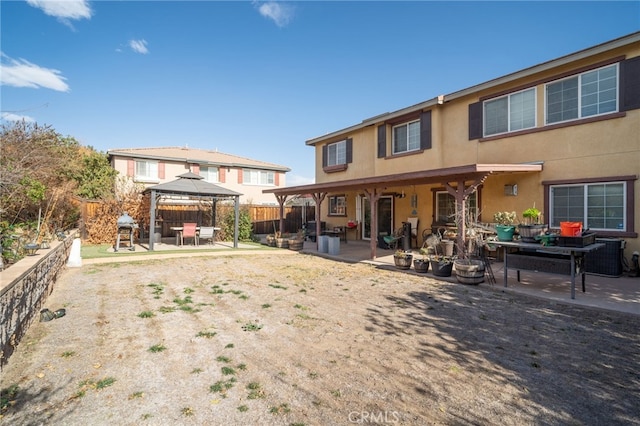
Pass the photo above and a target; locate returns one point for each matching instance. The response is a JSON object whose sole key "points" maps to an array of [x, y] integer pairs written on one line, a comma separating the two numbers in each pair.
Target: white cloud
{"points": [[296, 180], [7, 116], [22, 73], [139, 46], [279, 13], [64, 10]]}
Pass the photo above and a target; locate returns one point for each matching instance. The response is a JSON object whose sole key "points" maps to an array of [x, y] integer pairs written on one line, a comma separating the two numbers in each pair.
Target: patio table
{"points": [[576, 255]]}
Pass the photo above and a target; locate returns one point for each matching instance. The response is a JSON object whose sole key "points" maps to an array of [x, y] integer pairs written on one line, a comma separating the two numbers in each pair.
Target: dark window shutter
{"points": [[324, 155], [382, 140], [349, 150], [475, 121], [630, 84], [425, 130]]}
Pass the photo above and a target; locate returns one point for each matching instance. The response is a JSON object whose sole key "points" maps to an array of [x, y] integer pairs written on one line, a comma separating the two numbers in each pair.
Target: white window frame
{"points": [[581, 84], [511, 113], [337, 205], [584, 217], [337, 153], [258, 177], [146, 171], [210, 173], [411, 145]]}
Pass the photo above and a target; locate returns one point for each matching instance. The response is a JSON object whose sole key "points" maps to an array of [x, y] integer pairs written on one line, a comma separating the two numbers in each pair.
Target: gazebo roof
{"points": [[192, 184]]}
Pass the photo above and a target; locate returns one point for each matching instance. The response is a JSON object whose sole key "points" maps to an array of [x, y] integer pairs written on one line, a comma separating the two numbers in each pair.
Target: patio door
{"points": [[385, 217]]}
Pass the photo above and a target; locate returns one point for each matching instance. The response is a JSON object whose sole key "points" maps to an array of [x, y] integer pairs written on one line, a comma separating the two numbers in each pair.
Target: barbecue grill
{"points": [[126, 227]]}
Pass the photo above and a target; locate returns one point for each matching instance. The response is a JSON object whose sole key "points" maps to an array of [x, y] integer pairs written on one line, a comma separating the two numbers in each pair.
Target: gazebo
{"points": [[193, 186]]}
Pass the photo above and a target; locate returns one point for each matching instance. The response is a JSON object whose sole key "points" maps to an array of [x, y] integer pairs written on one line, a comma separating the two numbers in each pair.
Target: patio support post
{"points": [[281, 200], [373, 195], [461, 192], [318, 197]]}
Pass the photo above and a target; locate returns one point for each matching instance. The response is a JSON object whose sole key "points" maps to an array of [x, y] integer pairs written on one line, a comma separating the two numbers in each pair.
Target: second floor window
{"points": [[337, 153], [210, 174], [146, 170], [510, 113], [406, 137], [258, 177], [584, 95]]}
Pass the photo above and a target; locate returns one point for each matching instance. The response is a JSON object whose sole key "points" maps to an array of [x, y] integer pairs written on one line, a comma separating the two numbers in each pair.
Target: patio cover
{"points": [[460, 181], [193, 185]]}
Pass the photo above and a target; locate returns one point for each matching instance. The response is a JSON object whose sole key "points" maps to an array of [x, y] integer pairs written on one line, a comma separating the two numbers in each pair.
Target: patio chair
{"points": [[189, 231], [207, 233]]}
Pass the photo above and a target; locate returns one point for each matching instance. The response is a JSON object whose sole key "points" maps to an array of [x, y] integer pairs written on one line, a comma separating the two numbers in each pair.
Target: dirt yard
{"points": [[301, 340]]}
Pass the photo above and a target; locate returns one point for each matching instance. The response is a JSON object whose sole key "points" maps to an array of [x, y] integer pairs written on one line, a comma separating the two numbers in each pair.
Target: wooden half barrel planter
{"points": [[469, 271]]}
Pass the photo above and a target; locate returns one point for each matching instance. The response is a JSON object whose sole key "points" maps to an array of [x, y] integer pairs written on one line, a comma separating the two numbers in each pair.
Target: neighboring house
{"points": [[563, 135], [152, 166]]}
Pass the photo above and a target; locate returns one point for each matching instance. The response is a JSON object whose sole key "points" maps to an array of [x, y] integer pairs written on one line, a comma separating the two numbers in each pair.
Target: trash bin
{"points": [[406, 236], [334, 245], [323, 244]]}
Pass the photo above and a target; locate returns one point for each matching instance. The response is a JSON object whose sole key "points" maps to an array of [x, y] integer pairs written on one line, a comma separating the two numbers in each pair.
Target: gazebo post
{"points": [[152, 220], [237, 211]]}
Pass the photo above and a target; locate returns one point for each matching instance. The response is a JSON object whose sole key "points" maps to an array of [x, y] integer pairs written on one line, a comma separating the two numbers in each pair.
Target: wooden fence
{"points": [[265, 219]]}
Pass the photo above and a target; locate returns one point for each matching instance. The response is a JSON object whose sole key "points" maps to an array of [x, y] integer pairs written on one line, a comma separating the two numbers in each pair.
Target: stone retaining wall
{"points": [[24, 287]]}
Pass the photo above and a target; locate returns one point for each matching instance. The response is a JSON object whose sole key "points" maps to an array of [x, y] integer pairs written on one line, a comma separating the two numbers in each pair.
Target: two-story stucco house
{"points": [[152, 166], [563, 135]]}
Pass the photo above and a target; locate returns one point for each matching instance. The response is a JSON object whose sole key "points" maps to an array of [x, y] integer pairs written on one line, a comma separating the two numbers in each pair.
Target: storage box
{"points": [[541, 262], [581, 241]]}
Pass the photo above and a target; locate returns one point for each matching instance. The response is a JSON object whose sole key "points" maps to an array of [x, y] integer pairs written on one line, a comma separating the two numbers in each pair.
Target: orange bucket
{"points": [[570, 229]]}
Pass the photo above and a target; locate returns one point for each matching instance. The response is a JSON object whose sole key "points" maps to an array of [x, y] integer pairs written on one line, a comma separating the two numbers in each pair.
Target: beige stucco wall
{"points": [[599, 149]]}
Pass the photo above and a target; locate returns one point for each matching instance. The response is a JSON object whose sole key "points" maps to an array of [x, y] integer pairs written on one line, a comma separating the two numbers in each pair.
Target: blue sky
{"points": [[258, 79]]}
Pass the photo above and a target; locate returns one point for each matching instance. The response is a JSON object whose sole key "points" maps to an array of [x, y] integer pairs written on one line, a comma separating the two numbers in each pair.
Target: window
{"points": [[406, 137], [258, 177], [338, 205], [446, 206], [584, 95], [599, 206], [146, 170], [510, 113], [337, 153], [210, 174]]}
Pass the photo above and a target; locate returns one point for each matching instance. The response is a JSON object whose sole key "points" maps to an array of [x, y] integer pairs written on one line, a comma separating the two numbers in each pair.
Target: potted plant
{"points": [[531, 226], [297, 241], [441, 264], [505, 227], [421, 264], [282, 240], [402, 259]]}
